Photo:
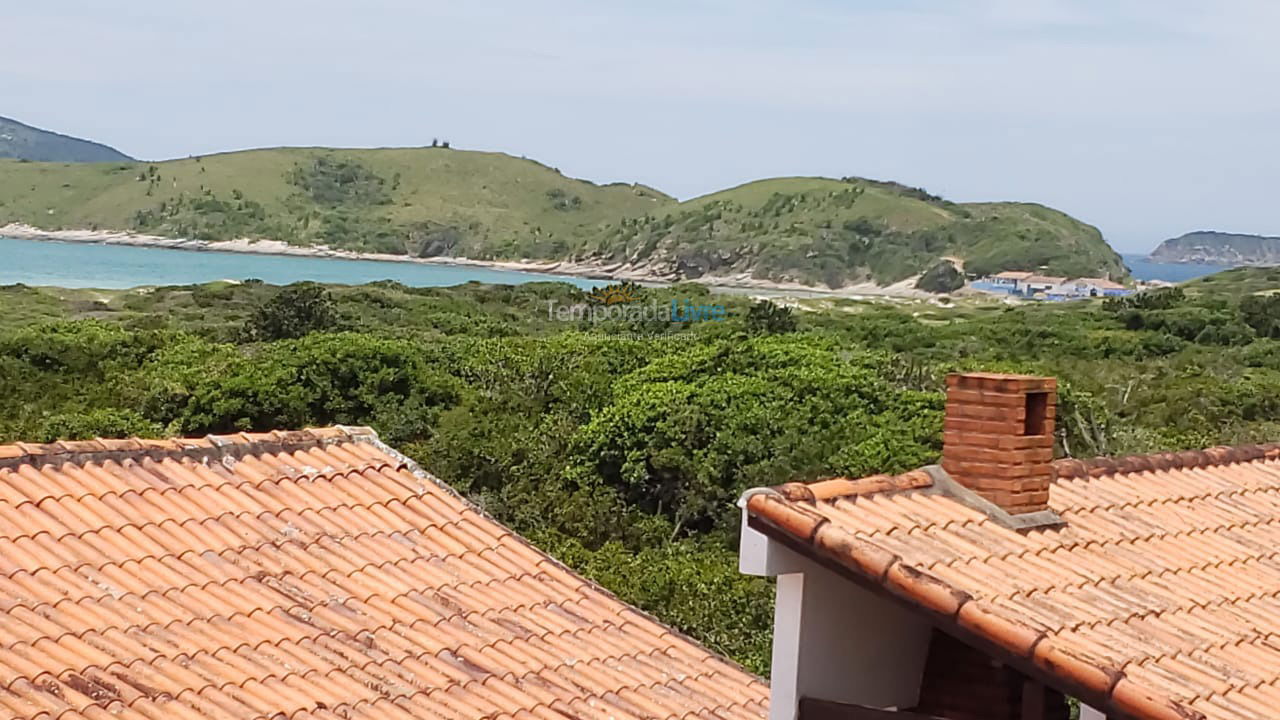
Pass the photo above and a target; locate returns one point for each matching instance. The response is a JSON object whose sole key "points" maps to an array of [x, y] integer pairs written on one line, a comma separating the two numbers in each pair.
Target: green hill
{"points": [[817, 230], [1219, 248], [23, 142], [421, 201], [1236, 283], [438, 201]]}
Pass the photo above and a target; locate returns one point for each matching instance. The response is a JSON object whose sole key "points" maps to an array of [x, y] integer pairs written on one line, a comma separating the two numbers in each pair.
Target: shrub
{"points": [[767, 318], [334, 181], [294, 312], [1262, 313]]}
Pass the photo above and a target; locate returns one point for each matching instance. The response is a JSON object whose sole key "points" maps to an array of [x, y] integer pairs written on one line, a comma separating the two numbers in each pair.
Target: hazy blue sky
{"points": [[1145, 118]]}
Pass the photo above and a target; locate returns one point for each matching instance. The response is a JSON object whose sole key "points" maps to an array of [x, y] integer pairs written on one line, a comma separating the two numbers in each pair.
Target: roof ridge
{"points": [[209, 447], [1074, 468], [831, 488]]}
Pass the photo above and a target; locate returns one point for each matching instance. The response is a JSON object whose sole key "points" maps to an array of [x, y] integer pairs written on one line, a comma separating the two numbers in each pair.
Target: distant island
{"points": [[441, 202], [1209, 247], [24, 142]]}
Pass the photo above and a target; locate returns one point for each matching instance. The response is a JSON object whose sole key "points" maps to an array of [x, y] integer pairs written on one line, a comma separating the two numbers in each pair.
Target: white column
{"points": [[784, 678], [832, 639]]}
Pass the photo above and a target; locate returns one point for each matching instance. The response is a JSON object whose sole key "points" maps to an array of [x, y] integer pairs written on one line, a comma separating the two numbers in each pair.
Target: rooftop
{"points": [[1155, 593], [312, 574], [1099, 283]]}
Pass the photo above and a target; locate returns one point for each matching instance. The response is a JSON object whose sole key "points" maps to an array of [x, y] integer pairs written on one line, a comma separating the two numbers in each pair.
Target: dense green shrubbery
{"points": [[686, 434], [197, 387], [333, 181], [623, 455], [205, 216], [295, 311], [768, 317], [1262, 313]]}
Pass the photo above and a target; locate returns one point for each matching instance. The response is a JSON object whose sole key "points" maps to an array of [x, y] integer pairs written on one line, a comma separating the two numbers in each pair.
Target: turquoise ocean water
{"points": [[81, 265], [1142, 269]]}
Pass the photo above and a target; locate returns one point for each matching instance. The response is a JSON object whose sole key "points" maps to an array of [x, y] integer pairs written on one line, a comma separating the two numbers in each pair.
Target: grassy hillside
{"points": [[21, 141], [818, 230], [1236, 283], [425, 201], [438, 201]]}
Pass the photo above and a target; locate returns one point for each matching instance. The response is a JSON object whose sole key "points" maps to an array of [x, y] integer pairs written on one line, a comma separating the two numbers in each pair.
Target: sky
{"points": [[1147, 119]]}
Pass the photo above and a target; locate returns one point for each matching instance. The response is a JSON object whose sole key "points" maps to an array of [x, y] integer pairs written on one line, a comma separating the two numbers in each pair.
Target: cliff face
{"points": [[1218, 248]]}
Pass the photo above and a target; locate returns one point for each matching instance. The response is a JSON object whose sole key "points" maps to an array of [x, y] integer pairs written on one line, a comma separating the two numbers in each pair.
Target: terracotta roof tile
{"points": [[1160, 593], [310, 574]]}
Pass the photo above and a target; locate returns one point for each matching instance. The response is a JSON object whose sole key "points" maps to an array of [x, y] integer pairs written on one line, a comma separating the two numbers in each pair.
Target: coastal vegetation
{"points": [[438, 201], [620, 445]]}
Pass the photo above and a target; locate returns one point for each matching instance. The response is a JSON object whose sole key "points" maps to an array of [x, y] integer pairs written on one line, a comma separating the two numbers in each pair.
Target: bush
{"points": [[685, 435], [1158, 299], [296, 311], [102, 422], [1262, 313], [345, 379], [332, 181], [768, 318]]}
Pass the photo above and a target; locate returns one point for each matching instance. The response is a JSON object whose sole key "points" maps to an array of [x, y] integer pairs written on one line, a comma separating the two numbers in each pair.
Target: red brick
{"points": [[1002, 382], [986, 447], [958, 424], [986, 398], [995, 469], [995, 442], [997, 413], [1026, 456], [961, 683]]}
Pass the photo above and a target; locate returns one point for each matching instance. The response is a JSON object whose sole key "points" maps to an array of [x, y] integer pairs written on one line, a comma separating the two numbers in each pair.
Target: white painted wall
{"points": [[1088, 713], [832, 639]]}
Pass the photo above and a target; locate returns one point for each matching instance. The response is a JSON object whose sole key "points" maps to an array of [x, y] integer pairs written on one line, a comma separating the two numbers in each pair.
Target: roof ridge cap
{"points": [[838, 487], [209, 447], [1074, 468]]}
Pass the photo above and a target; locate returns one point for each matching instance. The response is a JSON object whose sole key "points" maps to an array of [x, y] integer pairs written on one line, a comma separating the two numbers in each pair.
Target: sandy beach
{"points": [[743, 283]]}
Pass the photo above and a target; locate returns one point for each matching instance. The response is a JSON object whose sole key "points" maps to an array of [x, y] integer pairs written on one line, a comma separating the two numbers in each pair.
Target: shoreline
{"points": [[741, 283], [1217, 263]]}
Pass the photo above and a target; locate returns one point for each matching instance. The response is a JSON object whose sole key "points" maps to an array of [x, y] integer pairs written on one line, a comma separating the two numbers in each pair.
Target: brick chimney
{"points": [[998, 437]]}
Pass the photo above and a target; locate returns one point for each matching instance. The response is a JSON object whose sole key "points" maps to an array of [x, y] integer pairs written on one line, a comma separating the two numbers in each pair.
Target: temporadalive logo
{"points": [[625, 302]]}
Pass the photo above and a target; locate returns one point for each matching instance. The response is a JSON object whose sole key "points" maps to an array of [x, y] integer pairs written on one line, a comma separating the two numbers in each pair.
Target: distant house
{"points": [[1009, 282], [1015, 280], [1038, 284], [1080, 288], [1018, 282]]}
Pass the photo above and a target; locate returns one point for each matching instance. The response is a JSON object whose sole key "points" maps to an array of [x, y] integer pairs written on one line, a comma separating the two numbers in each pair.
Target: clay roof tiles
{"points": [[1159, 595], [312, 574]]}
